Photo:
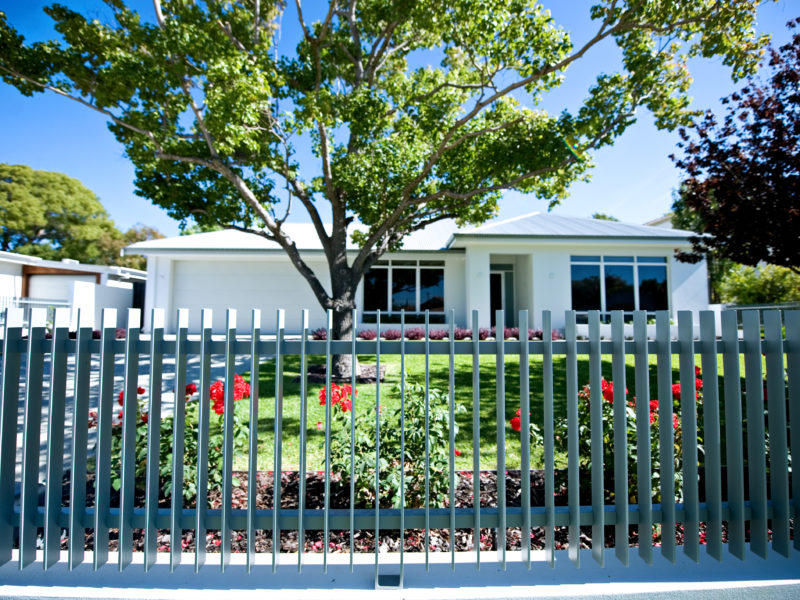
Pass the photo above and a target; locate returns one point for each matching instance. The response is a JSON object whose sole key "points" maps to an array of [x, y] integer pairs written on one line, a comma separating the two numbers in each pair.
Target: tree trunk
{"points": [[343, 329]]}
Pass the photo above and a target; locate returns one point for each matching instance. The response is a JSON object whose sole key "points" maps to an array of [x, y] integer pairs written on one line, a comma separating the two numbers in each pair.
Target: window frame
{"points": [[417, 265], [617, 260]]}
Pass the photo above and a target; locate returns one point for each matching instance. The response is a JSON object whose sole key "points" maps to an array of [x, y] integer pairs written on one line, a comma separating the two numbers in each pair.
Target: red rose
{"points": [[144, 417], [698, 384], [456, 451], [697, 371], [217, 391], [676, 391], [140, 390], [515, 423], [653, 404], [191, 389], [675, 421], [121, 395]]}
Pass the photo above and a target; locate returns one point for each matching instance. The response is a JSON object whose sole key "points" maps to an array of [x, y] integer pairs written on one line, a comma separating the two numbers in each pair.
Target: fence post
{"points": [[596, 434], [573, 447], [252, 454], [206, 324], [691, 520], [178, 441], [644, 492], [227, 439], [620, 438], [793, 372], [152, 484]]}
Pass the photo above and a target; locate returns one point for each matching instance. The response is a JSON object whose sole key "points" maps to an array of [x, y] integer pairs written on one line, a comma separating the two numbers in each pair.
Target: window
{"points": [[409, 285], [626, 283]]}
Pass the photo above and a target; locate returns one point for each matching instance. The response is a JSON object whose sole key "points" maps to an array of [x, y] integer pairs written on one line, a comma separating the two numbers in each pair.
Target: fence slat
{"points": [[178, 441], [353, 376], [711, 435], [328, 425], [644, 496], [525, 435], [377, 458], [549, 451], [204, 416], [573, 448], [596, 433], [620, 438], [476, 439], [278, 440], [80, 418], [666, 435], [756, 452], [153, 439], [227, 439], [31, 438], [734, 453], [500, 400], [127, 474], [55, 438], [778, 446], [402, 439], [12, 335], [689, 433], [452, 438], [252, 451], [792, 322], [301, 526], [105, 408]]}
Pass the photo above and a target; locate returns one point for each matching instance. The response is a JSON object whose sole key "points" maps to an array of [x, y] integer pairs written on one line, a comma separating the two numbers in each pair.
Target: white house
{"points": [[30, 282], [535, 262]]}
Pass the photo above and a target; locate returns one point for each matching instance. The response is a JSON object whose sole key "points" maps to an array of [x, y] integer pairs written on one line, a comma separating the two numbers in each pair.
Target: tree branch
{"points": [[198, 114]]}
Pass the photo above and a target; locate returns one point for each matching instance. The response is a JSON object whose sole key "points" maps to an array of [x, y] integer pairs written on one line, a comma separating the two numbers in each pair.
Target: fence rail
{"points": [[752, 387]]}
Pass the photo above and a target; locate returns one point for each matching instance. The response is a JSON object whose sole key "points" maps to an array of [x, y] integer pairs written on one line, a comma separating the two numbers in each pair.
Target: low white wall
{"points": [[10, 280], [90, 299]]}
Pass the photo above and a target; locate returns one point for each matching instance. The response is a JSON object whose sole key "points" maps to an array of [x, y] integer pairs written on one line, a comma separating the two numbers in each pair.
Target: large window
{"points": [[626, 283], [396, 285]]}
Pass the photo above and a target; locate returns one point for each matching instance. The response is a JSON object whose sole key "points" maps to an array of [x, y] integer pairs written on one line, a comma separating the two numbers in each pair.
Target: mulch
{"points": [[364, 540]]}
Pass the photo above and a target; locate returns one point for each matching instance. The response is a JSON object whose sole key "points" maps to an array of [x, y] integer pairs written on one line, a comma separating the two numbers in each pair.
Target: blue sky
{"points": [[633, 180]]}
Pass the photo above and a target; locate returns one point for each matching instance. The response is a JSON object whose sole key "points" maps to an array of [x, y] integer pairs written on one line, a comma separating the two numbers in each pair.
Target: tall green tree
{"points": [[51, 216], [212, 116]]}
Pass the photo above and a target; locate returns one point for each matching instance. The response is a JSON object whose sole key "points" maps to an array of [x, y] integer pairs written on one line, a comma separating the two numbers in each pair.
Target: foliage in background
{"points": [[53, 216], [743, 174], [213, 117], [765, 284], [604, 217]]}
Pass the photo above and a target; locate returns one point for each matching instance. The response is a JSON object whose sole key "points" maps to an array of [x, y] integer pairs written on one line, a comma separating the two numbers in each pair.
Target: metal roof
{"points": [[549, 225]]}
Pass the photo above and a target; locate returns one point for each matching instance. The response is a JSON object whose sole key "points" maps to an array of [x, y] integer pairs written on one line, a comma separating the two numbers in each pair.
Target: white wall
{"points": [[689, 286], [10, 280], [90, 299], [55, 287]]}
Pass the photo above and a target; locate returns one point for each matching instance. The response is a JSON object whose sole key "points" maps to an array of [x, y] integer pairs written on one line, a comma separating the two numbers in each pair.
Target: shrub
{"points": [[415, 333], [319, 334], [484, 333], [368, 334], [557, 335], [765, 284], [392, 467], [459, 333], [438, 334], [391, 334], [535, 334]]}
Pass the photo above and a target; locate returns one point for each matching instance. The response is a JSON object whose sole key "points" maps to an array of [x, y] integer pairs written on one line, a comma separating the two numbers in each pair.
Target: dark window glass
{"points": [[431, 263], [651, 259], [585, 258], [404, 263], [375, 292], [653, 288], [431, 290], [619, 287], [625, 259], [585, 287], [404, 289]]}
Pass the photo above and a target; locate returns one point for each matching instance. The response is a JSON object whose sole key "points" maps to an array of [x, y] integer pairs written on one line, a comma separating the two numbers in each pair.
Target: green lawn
{"points": [[415, 373]]}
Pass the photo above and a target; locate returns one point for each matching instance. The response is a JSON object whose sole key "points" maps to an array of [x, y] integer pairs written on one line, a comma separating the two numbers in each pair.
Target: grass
{"points": [[439, 375]]}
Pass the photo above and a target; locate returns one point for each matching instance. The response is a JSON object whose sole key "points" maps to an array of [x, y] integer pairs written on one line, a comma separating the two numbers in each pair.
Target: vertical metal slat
{"points": [[276, 478], [778, 446], [328, 425], [596, 434], [644, 496], [31, 438], [756, 452], [301, 527], [252, 452], [620, 439], [206, 324], [80, 416], [500, 416], [12, 335], [573, 447], [691, 521], [666, 435], [178, 440], [227, 439], [105, 407], [792, 323], [55, 437], [525, 435], [549, 451], [152, 486], [427, 441], [452, 436], [353, 373], [476, 438], [734, 452], [711, 435]]}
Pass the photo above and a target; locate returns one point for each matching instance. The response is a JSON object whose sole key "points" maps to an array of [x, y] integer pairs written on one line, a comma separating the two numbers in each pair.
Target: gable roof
{"points": [[547, 225]]}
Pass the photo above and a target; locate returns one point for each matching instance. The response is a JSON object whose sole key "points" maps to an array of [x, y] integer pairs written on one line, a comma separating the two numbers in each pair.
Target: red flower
{"points": [[675, 421], [676, 391], [144, 417], [457, 452], [515, 423], [698, 384], [140, 390], [653, 404], [191, 389], [608, 390], [217, 391], [652, 417], [696, 371], [320, 426], [340, 395], [121, 394]]}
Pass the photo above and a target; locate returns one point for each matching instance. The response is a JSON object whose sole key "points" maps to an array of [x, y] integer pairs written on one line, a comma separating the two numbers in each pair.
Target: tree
{"points": [[766, 284], [744, 173], [212, 117], [51, 216], [604, 217], [111, 245]]}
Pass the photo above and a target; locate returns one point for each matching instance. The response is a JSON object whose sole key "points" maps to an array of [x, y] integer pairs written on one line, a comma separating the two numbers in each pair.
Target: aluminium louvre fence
{"points": [[748, 492]]}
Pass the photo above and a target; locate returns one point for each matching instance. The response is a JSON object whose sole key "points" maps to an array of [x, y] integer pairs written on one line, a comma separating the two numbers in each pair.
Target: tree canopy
{"points": [[415, 111], [743, 174], [54, 216]]}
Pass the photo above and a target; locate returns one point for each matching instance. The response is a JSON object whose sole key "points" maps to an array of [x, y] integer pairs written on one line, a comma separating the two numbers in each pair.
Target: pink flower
{"points": [[675, 421], [320, 426]]}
